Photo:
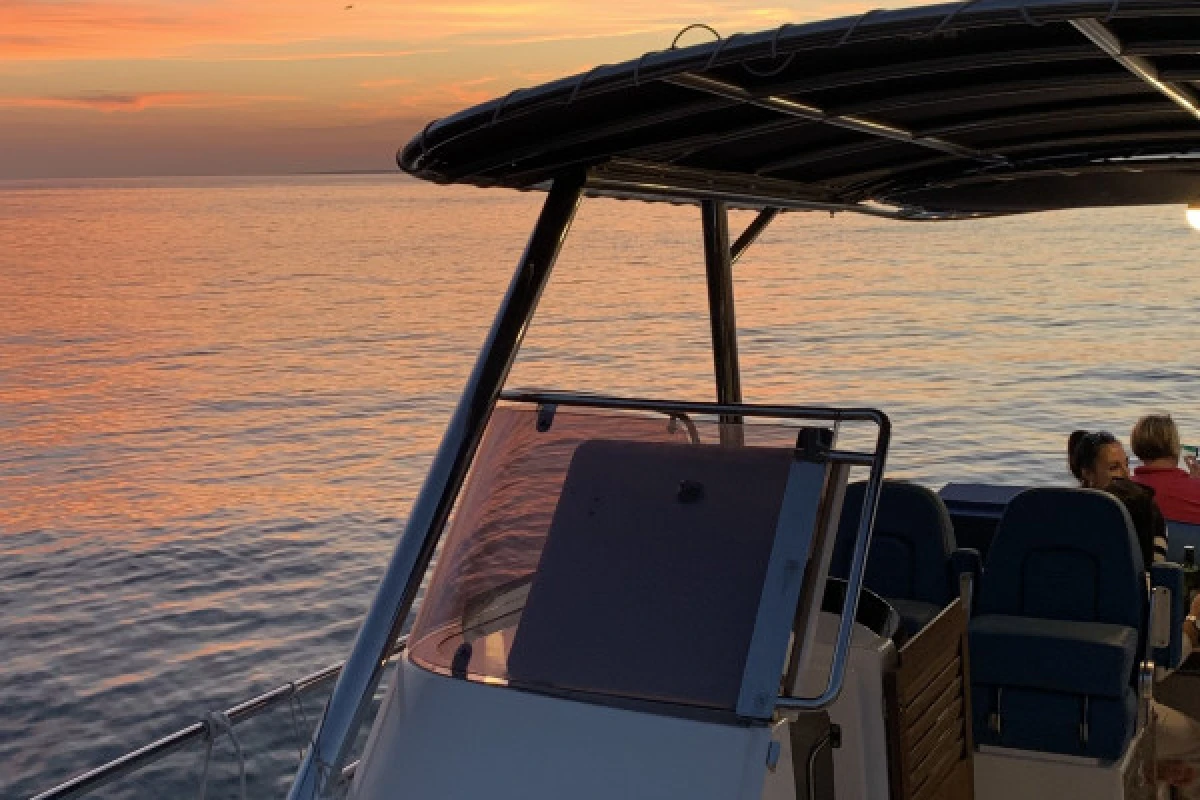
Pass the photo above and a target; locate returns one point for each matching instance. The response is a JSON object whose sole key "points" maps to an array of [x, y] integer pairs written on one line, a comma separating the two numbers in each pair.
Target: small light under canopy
{"points": [[1193, 215]]}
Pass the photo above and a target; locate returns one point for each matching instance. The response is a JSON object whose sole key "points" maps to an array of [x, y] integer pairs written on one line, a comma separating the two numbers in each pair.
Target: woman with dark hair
{"points": [[1098, 461]]}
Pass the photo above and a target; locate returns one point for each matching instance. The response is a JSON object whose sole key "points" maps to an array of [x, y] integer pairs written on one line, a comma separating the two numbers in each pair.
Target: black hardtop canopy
{"points": [[958, 109]]}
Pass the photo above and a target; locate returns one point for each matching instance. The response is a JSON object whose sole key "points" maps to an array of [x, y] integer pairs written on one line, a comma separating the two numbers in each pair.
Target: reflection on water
{"points": [[218, 398]]}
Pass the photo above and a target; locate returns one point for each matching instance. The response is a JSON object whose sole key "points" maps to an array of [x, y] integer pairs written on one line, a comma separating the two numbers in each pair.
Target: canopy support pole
{"points": [[1103, 37], [752, 232], [718, 264], [397, 591]]}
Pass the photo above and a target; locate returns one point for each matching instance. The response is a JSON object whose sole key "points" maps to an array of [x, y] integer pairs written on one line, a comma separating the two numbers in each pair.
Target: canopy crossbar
{"points": [[1104, 38], [812, 113]]}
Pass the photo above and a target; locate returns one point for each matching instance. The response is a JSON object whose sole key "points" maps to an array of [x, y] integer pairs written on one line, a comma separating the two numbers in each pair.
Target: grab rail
{"points": [[875, 460], [94, 779]]}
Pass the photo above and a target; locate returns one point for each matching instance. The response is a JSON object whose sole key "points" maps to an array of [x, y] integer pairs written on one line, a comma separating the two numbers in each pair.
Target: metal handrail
{"points": [[599, 401], [105, 774], [875, 460], [858, 568]]}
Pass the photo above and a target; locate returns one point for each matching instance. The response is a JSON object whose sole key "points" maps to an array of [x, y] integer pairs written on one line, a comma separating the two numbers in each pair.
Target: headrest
{"points": [[1064, 554]]}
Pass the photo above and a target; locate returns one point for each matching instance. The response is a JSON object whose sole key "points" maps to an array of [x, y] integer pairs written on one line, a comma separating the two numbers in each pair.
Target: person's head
{"points": [[1095, 458], [1155, 437]]}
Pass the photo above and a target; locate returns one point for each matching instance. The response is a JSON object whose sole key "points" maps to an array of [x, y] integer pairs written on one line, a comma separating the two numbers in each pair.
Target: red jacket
{"points": [[1178, 495]]}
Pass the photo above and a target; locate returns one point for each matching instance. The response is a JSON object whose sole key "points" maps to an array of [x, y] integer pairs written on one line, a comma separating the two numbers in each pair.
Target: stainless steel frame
{"points": [[718, 264], [630, 179], [876, 460], [397, 591], [323, 763]]}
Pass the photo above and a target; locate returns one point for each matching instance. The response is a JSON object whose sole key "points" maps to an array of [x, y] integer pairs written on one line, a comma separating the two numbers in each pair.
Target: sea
{"points": [[219, 397]]}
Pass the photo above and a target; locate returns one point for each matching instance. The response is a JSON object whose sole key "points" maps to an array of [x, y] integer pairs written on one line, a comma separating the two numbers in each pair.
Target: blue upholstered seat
{"points": [[1093, 658], [911, 562], [1055, 639]]}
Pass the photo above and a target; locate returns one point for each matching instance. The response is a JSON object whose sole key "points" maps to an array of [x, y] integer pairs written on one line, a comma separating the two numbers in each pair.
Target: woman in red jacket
{"points": [[1155, 441]]}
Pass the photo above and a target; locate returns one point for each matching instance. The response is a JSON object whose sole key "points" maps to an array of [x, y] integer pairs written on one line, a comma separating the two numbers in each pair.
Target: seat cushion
{"points": [[1083, 658], [914, 615], [1052, 722]]}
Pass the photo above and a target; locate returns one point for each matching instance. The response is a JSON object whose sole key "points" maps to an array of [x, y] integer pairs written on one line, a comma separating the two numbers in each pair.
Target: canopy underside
{"points": [[986, 106]]}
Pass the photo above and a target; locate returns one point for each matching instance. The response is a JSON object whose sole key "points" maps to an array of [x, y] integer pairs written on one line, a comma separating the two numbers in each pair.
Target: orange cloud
{"points": [[109, 102]]}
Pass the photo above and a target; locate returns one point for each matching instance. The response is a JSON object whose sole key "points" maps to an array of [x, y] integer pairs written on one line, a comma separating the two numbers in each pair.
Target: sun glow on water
{"points": [[1193, 216]]}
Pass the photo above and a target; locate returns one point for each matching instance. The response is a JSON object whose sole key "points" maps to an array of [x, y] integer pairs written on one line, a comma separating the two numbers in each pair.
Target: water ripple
{"points": [[218, 398]]}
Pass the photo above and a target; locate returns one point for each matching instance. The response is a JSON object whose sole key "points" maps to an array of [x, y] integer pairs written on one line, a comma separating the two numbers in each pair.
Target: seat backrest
{"points": [[910, 547], [1066, 554]]}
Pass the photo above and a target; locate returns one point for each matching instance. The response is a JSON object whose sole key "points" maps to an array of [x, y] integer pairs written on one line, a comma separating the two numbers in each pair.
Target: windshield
{"points": [[539, 567]]}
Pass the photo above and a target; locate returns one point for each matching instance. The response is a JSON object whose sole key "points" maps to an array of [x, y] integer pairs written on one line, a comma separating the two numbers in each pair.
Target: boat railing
{"points": [[208, 729]]}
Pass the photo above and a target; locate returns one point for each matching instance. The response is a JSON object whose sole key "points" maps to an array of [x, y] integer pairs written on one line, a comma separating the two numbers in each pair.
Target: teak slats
{"points": [[929, 713]]}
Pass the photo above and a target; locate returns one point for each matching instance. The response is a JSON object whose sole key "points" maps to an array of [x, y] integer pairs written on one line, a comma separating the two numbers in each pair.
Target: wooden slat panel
{"points": [[947, 744], [929, 776], [921, 653], [930, 694], [950, 720], [959, 783], [929, 714], [898, 771], [918, 722], [948, 713], [935, 663]]}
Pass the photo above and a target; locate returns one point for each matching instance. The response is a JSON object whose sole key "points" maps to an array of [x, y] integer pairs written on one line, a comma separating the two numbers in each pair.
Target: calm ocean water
{"points": [[218, 398]]}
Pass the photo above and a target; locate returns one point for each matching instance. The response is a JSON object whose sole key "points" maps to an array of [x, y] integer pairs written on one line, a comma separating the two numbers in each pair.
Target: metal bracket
{"points": [[752, 232], [545, 416], [1083, 721], [995, 725], [814, 444]]}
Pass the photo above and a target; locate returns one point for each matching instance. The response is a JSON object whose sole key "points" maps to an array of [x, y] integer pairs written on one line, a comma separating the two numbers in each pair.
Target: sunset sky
{"points": [[154, 87]]}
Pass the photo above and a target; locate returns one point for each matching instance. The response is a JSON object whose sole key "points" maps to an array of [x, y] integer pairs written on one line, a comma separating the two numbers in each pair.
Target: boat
{"points": [[652, 598]]}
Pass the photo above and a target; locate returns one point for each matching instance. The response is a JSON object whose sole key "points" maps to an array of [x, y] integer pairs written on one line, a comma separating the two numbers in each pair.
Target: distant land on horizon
{"points": [[181, 175]]}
